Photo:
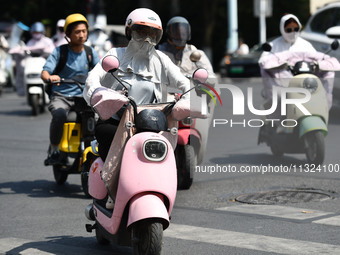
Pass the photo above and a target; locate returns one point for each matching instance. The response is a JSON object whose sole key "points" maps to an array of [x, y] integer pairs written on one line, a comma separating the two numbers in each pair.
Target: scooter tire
{"points": [[147, 237], [276, 151], [34, 99], [186, 163], [100, 238], [315, 147], [59, 176]]}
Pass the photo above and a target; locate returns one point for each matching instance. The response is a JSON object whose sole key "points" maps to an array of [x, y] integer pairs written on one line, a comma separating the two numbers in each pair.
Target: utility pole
{"points": [[263, 25], [263, 9], [232, 41]]}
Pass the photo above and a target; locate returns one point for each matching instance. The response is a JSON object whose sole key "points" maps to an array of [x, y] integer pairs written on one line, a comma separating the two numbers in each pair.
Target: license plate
{"points": [[236, 69]]}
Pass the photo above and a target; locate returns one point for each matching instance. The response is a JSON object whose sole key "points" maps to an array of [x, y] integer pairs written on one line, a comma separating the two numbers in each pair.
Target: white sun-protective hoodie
{"points": [[286, 42], [289, 41], [146, 62]]}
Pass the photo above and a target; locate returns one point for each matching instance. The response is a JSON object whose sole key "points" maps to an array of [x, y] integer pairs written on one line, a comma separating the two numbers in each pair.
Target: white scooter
{"points": [[304, 100], [37, 98]]}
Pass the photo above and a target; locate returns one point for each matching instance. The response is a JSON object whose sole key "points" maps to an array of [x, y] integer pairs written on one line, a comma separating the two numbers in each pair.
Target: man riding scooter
{"points": [[193, 133], [66, 62]]}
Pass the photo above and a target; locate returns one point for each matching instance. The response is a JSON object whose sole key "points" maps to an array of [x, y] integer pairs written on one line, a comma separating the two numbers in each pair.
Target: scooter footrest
{"points": [[90, 227]]}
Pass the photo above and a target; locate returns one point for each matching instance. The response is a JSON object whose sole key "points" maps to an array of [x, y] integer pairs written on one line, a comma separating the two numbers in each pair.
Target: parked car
{"points": [[317, 25], [237, 66], [315, 32]]}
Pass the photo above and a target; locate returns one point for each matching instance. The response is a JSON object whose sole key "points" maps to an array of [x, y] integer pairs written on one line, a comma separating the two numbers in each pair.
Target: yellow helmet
{"points": [[76, 17]]}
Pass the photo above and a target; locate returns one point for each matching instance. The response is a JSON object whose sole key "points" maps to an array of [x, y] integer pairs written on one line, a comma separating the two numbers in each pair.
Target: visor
{"points": [[179, 33], [145, 33]]}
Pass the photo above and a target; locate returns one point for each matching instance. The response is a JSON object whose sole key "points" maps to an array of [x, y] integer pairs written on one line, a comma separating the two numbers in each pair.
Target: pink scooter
{"points": [[147, 181]]}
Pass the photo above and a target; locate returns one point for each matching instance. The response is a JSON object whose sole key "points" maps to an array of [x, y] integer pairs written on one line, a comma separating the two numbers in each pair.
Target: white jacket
{"points": [[286, 42], [155, 67]]}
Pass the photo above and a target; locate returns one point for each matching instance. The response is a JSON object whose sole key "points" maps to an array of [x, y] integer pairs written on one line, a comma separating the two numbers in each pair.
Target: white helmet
{"points": [[60, 25], [144, 25]]}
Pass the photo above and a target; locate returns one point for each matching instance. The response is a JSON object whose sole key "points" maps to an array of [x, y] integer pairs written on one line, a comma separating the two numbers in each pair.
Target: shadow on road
{"points": [[334, 115], [42, 188], [67, 245]]}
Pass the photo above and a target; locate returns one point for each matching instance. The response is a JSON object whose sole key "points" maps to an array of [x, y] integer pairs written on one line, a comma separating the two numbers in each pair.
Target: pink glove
{"points": [[184, 108], [106, 102]]}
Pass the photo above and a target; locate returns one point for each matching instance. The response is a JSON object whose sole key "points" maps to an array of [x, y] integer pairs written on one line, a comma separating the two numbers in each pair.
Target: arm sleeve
{"points": [[175, 76], [93, 82], [52, 61], [205, 63]]}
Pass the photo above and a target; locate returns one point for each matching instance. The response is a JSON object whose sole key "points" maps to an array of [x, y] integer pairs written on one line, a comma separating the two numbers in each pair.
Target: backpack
{"points": [[63, 59], [64, 55]]}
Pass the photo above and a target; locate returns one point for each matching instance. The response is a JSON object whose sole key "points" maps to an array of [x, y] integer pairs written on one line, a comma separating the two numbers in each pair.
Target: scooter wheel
{"points": [[147, 238], [100, 238], [59, 176], [186, 162], [315, 147], [276, 151], [34, 99]]}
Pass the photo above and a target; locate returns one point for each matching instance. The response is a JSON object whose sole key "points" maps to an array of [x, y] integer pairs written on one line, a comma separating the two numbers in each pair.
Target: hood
{"points": [[289, 37]]}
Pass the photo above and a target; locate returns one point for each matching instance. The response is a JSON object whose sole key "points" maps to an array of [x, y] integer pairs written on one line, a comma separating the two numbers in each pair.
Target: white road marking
{"points": [[333, 221], [249, 241], [277, 211]]}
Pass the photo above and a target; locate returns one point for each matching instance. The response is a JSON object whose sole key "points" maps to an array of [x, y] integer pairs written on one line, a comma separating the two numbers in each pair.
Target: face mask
{"points": [[291, 37], [37, 36], [143, 47]]}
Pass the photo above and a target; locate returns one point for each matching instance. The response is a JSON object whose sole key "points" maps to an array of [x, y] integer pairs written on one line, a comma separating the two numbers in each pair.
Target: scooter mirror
{"points": [[335, 44], [110, 63], [195, 56], [266, 47], [200, 75]]}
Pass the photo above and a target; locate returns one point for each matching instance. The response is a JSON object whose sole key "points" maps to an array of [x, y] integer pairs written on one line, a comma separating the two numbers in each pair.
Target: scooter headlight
{"points": [[311, 84], [155, 150]]}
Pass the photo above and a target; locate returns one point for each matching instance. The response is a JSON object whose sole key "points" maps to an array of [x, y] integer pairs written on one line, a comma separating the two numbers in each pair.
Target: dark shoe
{"points": [[53, 159]]}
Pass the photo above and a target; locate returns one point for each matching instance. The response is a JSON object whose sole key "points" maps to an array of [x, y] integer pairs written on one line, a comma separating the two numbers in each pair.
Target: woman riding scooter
{"points": [[140, 63], [289, 40], [290, 67]]}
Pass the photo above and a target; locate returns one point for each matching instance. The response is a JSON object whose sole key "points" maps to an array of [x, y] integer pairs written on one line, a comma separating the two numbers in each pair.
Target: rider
{"points": [[39, 43], [178, 33], [59, 37], [77, 63], [99, 40], [141, 65], [147, 71], [289, 40]]}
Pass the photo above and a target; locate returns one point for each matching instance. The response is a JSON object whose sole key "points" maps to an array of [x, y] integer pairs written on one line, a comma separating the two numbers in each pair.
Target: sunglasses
{"points": [[289, 30]]}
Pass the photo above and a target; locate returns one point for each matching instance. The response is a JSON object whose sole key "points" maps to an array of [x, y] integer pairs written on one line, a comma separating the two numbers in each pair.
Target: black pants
{"points": [[104, 132]]}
